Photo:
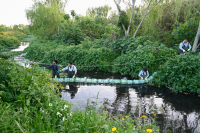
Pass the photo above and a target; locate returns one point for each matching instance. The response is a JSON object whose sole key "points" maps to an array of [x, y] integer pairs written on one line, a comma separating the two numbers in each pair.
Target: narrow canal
{"points": [[179, 113]]}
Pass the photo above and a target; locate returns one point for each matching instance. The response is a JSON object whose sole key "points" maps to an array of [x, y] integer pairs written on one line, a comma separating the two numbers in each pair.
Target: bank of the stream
{"points": [[126, 56]]}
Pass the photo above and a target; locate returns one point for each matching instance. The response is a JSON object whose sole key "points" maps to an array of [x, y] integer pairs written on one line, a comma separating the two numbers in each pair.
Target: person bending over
{"points": [[144, 74], [184, 46], [72, 71]]}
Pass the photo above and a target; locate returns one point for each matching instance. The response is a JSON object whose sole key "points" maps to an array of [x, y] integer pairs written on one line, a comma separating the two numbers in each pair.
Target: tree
{"points": [[73, 13], [145, 14], [99, 12], [45, 17], [126, 30], [196, 45], [66, 17]]}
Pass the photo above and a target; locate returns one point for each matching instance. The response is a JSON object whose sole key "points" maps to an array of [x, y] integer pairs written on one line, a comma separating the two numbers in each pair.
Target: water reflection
{"points": [[22, 46], [142, 89], [73, 89], [177, 112]]}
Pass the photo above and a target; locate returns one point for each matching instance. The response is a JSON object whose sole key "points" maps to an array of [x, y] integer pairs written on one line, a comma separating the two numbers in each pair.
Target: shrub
{"points": [[38, 48], [9, 41], [70, 34], [87, 43], [133, 62], [83, 57], [11, 38], [126, 44], [182, 73]]}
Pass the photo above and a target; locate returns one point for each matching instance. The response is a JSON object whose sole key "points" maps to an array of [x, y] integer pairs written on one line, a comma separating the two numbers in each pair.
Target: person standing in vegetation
{"points": [[54, 68], [72, 71], [184, 46], [144, 74]]}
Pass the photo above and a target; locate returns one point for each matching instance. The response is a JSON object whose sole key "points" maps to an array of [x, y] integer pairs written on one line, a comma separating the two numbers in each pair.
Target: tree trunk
{"points": [[129, 26], [145, 14], [113, 35], [119, 11], [58, 29], [195, 45]]}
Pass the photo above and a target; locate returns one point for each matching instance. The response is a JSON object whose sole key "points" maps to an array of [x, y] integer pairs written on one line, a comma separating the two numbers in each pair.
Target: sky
{"points": [[13, 11]]}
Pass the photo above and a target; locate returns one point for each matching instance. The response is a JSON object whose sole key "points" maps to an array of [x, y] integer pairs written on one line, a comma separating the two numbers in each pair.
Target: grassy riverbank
{"points": [[30, 102]]}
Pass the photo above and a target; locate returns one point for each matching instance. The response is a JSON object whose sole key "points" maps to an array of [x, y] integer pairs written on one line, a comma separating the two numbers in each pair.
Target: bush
{"points": [[70, 34], [182, 73], [149, 55], [87, 43], [126, 44], [9, 41], [38, 48], [17, 34], [11, 38], [20, 85], [82, 57]]}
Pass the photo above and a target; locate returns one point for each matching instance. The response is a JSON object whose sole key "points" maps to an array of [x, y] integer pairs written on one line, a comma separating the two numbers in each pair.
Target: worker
{"points": [[72, 71], [144, 74], [54, 68], [184, 46]]}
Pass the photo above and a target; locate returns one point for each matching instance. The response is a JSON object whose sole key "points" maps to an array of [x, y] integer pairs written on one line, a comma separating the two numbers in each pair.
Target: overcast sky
{"points": [[13, 11]]}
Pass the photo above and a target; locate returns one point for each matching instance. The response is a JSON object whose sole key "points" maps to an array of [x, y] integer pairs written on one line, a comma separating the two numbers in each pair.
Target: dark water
{"points": [[178, 113]]}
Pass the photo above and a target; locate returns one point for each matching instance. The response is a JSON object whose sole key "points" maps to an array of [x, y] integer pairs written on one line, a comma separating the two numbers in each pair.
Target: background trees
{"points": [[45, 17]]}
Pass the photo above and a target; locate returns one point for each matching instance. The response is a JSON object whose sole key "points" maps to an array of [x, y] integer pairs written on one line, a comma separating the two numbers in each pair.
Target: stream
{"points": [[179, 113]]}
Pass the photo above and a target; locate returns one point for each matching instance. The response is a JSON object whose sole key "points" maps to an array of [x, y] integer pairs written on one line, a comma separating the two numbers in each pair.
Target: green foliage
{"points": [[123, 20], [81, 55], [99, 12], [126, 44], [19, 84], [66, 17], [111, 32], [11, 38], [87, 43], [92, 27], [70, 34], [150, 56], [4, 28], [45, 17], [38, 48], [7, 55], [186, 30], [73, 13], [181, 73], [162, 18], [9, 41]]}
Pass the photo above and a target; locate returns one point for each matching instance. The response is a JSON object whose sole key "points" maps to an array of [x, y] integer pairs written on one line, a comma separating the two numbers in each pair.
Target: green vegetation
{"points": [[81, 55], [9, 54], [151, 56], [98, 38], [181, 73], [29, 103], [10, 38]]}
